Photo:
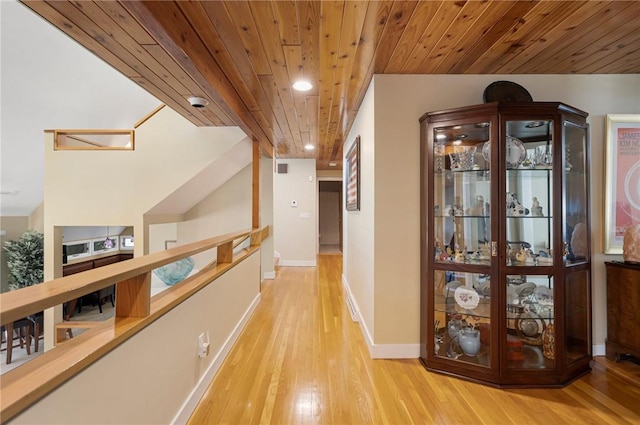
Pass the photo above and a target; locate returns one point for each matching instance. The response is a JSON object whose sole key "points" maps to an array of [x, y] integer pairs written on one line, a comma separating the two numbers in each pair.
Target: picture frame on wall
{"points": [[352, 173], [622, 178]]}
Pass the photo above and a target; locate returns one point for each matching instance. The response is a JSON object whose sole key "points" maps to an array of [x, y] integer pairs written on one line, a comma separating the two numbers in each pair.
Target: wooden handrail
{"points": [[15, 305], [23, 386]]}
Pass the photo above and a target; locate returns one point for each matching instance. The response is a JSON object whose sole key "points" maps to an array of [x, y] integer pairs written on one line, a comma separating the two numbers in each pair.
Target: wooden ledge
{"points": [[23, 386], [64, 328]]}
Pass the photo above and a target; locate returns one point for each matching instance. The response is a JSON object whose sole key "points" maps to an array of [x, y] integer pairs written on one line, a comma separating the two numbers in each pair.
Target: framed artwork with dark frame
{"points": [[622, 178], [352, 171]]}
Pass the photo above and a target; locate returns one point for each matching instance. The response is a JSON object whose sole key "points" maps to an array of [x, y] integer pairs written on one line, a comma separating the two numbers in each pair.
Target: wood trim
{"points": [[149, 115], [256, 237], [30, 300], [61, 329], [266, 231], [132, 296], [23, 386], [255, 186], [72, 134], [225, 253]]}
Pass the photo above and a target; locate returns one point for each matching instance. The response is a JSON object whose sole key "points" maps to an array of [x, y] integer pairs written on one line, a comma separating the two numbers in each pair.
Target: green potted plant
{"points": [[25, 260]]}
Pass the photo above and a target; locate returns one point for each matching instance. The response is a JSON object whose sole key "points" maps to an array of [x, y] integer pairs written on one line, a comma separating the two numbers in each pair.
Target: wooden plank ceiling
{"points": [[244, 55]]}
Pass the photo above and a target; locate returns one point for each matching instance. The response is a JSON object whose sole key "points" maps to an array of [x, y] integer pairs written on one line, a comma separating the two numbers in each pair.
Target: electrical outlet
{"points": [[204, 347]]}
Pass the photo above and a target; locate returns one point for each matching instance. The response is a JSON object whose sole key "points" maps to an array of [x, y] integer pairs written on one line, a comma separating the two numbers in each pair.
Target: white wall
{"points": [[295, 228], [358, 226], [102, 188], [159, 234], [226, 210], [88, 188], [399, 102], [157, 375]]}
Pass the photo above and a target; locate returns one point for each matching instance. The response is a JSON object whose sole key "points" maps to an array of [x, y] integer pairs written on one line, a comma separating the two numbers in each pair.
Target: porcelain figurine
{"points": [[525, 256], [478, 206], [631, 244], [536, 209], [454, 326], [514, 207], [469, 340]]}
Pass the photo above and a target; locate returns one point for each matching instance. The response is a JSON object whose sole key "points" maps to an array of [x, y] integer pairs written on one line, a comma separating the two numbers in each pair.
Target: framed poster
{"points": [[352, 172], [622, 179]]}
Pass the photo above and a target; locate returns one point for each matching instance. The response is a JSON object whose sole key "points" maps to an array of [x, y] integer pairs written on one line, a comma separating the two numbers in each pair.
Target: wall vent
{"points": [[352, 309], [282, 168]]}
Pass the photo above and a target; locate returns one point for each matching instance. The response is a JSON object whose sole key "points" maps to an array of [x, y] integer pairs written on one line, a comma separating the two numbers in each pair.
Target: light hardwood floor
{"points": [[301, 360]]}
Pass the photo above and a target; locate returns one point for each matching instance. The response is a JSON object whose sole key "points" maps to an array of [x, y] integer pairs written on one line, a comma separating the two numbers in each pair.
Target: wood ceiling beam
{"points": [[169, 27]]}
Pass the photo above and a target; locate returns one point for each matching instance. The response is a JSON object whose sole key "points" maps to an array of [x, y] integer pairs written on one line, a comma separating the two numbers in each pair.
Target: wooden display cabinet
{"points": [[505, 270]]}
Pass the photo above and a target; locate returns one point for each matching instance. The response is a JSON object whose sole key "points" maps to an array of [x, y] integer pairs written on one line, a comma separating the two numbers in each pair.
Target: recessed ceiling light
{"points": [[441, 136], [457, 142], [309, 147], [332, 164], [535, 124], [302, 85]]}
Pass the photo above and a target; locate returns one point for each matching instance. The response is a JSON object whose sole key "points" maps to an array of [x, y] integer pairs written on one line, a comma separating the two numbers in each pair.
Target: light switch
{"points": [[294, 203]]}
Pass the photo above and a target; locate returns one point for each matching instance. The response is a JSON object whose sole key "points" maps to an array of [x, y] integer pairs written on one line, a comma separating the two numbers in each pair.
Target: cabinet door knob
{"points": [[494, 248]]}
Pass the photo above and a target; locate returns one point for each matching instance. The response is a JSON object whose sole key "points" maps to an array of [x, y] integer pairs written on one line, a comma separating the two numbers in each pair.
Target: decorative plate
{"points": [[450, 287], [544, 295], [529, 327], [516, 152], [525, 289], [486, 151], [506, 91], [466, 298]]}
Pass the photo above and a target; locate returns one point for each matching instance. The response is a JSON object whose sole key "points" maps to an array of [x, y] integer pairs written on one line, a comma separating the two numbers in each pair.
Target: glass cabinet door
{"points": [[462, 235], [576, 240], [574, 189], [528, 215], [529, 198]]}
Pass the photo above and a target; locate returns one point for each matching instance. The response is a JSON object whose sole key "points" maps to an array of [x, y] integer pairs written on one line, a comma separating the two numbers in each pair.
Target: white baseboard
{"points": [[269, 275], [295, 263], [378, 351], [352, 305], [198, 391], [598, 350]]}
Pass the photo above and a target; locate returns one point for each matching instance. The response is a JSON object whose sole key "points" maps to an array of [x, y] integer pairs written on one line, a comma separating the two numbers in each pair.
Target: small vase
{"points": [[469, 340]]}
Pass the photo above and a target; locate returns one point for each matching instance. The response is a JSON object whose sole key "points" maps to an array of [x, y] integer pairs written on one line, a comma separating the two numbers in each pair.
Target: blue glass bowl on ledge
{"points": [[175, 272]]}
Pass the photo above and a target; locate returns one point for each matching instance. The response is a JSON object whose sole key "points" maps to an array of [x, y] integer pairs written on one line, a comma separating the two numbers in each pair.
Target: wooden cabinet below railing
{"points": [[623, 310], [69, 269]]}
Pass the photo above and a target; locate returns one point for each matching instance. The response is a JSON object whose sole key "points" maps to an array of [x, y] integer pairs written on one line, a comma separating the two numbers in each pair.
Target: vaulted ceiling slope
{"points": [[244, 55]]}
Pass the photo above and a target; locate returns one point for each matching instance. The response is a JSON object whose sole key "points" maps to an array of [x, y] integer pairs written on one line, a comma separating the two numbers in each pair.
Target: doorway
{"points": [[330, 217]]}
